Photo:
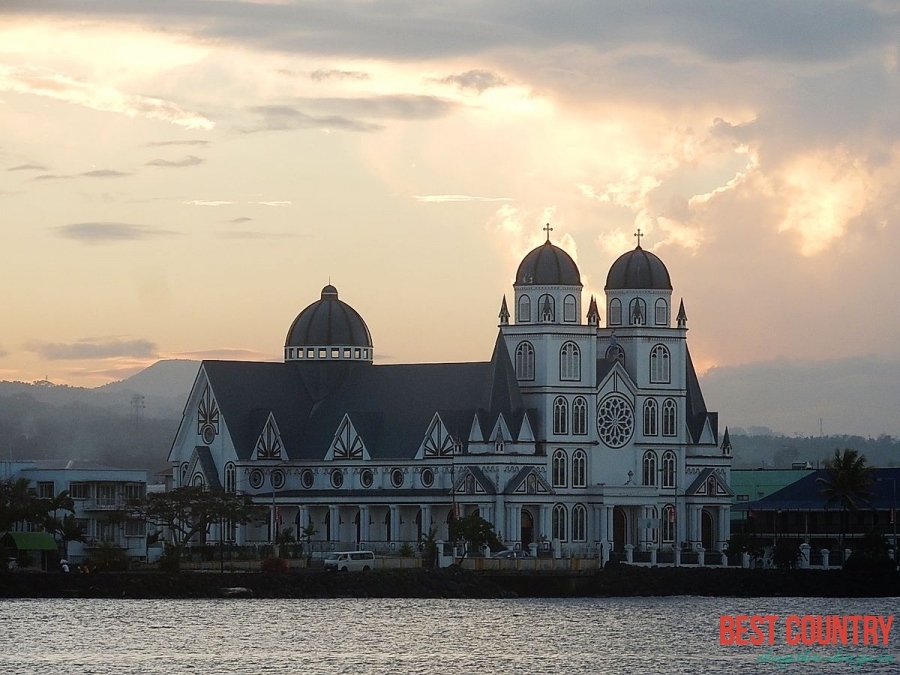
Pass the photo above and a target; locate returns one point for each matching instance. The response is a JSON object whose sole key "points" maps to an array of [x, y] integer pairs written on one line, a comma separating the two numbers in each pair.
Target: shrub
{"points": [[273, 565]]}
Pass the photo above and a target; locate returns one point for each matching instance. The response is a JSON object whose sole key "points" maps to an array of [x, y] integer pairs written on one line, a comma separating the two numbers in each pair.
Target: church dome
{"points": [[638, 270], [548, 265], [328, 323]]}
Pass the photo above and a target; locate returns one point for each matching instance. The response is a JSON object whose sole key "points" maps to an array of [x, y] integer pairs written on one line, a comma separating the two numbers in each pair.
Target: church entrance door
{"points": [[706, 530], [527, 535], [619, 530]]}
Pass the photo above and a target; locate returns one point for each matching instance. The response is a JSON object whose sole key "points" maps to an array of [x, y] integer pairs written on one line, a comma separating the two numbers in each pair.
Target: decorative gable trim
{"points": [[472, 481], [526, 433], [347, 443], [500, 433], [207, 416], [269, 444], [437, 442], [475, 433], [528, 481], [709, 484], [618, 381]]}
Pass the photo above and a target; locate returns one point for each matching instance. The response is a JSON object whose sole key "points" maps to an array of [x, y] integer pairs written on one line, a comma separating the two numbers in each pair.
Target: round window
{"points": [[306, 479], [277, 479], [365, 478], [337, 478], [396, 478], [208, 433], [615, 420], [256, 479], [427, 477]]}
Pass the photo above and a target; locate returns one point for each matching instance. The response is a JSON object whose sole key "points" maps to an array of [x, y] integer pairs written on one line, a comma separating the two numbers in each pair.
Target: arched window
{"points": [[662, 312], [569, 362], [524, 315], [560, 416], [668, 523], [615, 352], [569, 314], [198, 480], [649, 468], [183, 481], [559, 468], [637, 312], [650, 417], [615, 312], [559, 522], [546, 308], [525, 361], [579, 415], [668, 469], [652, 515], [230, 477], [579, 523], [659, 364], [668, 415], [579, 468]]}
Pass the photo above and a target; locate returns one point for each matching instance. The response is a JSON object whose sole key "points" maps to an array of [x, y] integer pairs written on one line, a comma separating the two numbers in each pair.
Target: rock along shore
{"points": [[622, 581]]}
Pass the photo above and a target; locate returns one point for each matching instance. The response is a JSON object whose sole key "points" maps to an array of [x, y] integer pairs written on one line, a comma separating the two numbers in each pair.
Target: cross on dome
{"points": [[639, 234], [548, 230]]}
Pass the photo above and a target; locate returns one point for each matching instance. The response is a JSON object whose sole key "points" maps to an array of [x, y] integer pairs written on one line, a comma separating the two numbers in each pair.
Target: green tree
{"points": [[187, 512], [67, 529], [847, 484], [308, 532], [476, 532]]}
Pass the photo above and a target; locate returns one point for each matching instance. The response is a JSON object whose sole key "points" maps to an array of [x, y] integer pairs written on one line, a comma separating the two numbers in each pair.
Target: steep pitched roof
{"points": [[696, 413], [806, 494]]}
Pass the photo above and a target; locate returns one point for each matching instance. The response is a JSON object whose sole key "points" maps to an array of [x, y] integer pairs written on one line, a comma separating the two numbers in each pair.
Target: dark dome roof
{"points": [[327, 322], [638, 269], [548, 265]]}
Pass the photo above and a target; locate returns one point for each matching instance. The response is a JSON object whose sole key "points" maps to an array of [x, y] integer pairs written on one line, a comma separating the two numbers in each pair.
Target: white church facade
{"points": [[582, 435]]}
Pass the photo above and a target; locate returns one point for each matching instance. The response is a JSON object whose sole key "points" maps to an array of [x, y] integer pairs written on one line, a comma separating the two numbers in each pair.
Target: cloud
{"points": [[226, 353], [204, 202], [61, 87], [159, 144], [91, 348], [394, 106], [319, 75], [190, 160], [105, 233], [273, 203], [28, 167], [3, 352], [434, 199], [236, 221], [104, 173], [249, 234], [286, 118], [52, 176], [476, 80]]}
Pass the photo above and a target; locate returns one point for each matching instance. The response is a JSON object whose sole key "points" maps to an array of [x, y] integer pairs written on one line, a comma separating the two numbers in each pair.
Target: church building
{"points": [[582, 435]]}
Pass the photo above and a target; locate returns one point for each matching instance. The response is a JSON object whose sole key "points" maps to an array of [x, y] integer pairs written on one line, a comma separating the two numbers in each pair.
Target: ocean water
{"points": [[591, 635]]}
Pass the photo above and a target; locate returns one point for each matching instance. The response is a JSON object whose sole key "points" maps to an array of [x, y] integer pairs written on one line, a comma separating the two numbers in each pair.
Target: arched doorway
{"points": [[706, 530], [527, 534], [620, 531], [387, 525], [358, 530], [419, 531]]}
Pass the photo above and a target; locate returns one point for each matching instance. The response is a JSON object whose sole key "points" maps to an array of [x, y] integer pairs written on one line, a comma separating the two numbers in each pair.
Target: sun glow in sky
{"points": [[180, 179]]}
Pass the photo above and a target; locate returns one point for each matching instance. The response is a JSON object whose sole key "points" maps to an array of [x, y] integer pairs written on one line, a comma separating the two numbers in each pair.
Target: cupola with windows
{"points": [[638, 290], [548, 286], [328, 330]]}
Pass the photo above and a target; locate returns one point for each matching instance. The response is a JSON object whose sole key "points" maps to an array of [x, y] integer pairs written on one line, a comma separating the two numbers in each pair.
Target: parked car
{"points": [[513, 553], [350, 561]]}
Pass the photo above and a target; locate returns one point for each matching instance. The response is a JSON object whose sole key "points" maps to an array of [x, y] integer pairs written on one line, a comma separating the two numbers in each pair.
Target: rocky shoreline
{"points": [[622, 581]]}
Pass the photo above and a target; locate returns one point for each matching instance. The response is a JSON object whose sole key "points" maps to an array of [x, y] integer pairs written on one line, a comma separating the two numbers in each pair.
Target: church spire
{"points": [[681, 320], [504, 312], [593, 315], [726, 443]]}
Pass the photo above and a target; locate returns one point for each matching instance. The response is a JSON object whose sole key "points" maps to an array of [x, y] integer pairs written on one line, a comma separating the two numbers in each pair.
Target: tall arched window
{"points": [[559, 468], [569, 362], [546, 308], [615, 312], [662, 312], [524, 315], [668, 523], [579, 468], [569, 314], [659, 364], [668, 423], [579, 523], [230, 477], [668, 469], [615, 352], [559, 522], [637, 312], [525, 361], [651, 415], [649, 468], [560, 416], [579, 415], [652, 515]]}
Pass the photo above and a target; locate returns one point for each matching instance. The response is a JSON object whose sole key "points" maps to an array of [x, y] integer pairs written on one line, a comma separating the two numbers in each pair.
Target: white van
{"points": [[350, 561]]}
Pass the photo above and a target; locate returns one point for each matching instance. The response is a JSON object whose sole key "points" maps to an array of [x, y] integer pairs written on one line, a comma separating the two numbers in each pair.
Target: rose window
{"points": [[615, 420]]}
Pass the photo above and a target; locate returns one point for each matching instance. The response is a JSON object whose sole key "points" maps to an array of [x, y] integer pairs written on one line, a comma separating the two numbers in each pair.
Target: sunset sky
{"points": [[179, 178]]}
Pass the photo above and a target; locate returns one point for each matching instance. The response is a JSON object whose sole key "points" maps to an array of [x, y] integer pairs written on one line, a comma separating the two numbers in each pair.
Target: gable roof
{"points": [[696, 414]]}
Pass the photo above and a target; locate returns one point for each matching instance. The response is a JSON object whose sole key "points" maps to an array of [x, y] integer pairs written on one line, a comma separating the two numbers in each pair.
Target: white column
{"points": [[364, 523], [426, 519], [500, 515], [515, 524], [546, 529], [395, 523], [724, 526], [335, 515], [302, 518]]}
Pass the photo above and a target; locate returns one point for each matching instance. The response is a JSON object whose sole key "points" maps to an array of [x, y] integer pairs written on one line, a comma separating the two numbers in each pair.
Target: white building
{"points": [[591, 433], [97, 492]]}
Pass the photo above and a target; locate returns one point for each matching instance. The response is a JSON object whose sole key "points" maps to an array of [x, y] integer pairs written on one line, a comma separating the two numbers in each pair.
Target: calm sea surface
{"points": [[632, 635]]}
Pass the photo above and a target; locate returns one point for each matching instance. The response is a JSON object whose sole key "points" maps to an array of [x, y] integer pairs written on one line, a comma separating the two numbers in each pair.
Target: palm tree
{"points": [[848, 482]]}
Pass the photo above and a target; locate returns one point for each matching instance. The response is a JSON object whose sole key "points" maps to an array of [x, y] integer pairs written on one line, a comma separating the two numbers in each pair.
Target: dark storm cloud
{"points": [[476, 80], [28, 167], [285, 118], [105, 233], [190, 160], [93, 349]]}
